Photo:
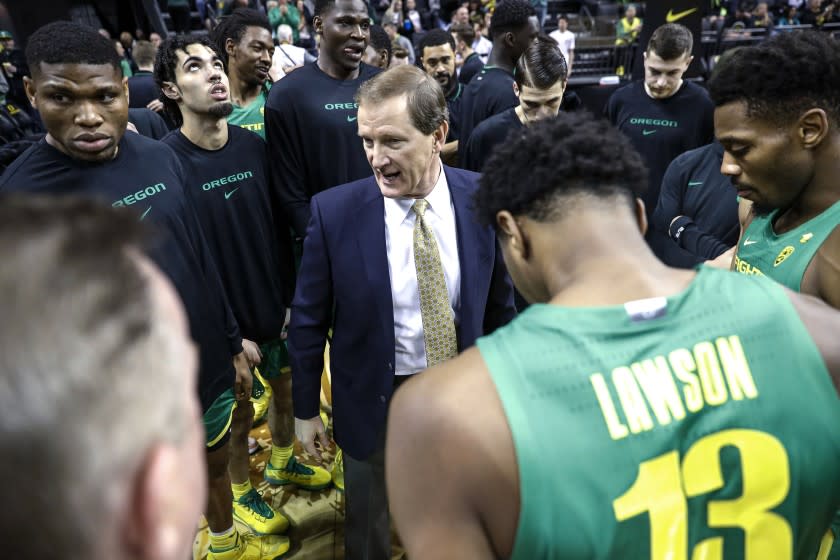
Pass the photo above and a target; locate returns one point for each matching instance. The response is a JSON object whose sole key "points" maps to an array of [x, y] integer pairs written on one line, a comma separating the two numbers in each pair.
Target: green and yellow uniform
{"points": [[252, 116], [671, 427], [785, 258]]}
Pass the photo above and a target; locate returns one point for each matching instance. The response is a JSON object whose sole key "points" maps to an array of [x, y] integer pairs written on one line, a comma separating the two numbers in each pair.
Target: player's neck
{"points": [[205, 131], [337, 71], [500, 58], [608, 265], [242, 93]]}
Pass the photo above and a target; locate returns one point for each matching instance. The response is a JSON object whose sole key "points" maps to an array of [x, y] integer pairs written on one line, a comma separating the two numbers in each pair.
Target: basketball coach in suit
{"points": [[400, 270]]}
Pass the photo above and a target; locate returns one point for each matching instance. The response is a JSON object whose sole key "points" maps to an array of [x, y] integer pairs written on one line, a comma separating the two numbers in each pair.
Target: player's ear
{"points": [[230, 47], [512, 234], [515, 89], [29, 87], [318, 25], [170, 90], [641, 216], [813, 127]]}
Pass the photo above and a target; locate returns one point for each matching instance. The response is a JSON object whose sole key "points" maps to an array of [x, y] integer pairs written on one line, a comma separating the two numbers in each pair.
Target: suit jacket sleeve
{"points": [[311, 318], [500, 307]]}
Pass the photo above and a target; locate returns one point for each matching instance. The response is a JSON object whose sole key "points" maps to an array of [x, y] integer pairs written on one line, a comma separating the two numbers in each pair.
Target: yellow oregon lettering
{"points": [[682, 363], [710, 374], [616, 429], [659, 388], [711, 378], [631, 400], [738, 375]]}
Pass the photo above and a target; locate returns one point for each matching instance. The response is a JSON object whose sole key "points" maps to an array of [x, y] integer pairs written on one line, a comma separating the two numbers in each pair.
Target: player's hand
{"points": [[155, 105], [252, 352], [244, 381], [307, 430], [284, 334]]}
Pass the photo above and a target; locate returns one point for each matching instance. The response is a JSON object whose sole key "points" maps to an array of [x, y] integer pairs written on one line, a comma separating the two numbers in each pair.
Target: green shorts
{"points": [[218, 417], [275, 359]]}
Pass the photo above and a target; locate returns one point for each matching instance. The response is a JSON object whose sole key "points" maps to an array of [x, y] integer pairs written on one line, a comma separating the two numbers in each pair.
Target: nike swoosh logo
{"points": [[648, 132], [694, 183], [748, 242], [351, 119], [229, 194], [671, 17], [146, 213]]}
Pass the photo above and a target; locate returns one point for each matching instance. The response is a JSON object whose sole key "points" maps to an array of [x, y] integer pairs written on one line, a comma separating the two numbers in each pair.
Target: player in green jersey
{"points": [[628, 413], [777, 111], [244, 37]]}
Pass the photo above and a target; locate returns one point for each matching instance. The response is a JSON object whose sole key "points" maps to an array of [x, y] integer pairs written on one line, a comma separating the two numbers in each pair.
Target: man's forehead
{"points": [[345, 8], [76, 72], [437, 51], [196, 50], [655, 61]]}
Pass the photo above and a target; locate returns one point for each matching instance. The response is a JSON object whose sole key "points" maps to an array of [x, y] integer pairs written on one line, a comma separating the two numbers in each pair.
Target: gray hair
{"points": [[86, 374], [284, 33], [424, 96]]}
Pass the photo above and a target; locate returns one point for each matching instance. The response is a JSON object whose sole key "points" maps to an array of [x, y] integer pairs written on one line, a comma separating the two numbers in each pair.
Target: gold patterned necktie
{"points": [[435, 309]]}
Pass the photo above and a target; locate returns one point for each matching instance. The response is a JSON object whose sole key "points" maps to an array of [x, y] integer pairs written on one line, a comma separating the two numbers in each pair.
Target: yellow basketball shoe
{"points": [[260, 517], [252, 547]]}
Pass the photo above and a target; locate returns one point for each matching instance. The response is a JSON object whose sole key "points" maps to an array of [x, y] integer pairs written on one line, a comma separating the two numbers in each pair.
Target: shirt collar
{"points": [[397, 210]]}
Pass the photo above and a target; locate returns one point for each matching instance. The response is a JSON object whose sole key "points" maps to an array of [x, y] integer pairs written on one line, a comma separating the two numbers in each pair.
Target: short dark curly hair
{"points": [[166, 61], [65, 42], [380, 40], [781, 77], [434, 38], [541, 65], [537, 168], [510, 15], [234, 26]]}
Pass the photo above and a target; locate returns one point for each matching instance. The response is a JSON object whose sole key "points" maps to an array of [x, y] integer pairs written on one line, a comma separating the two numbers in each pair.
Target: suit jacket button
{"points": [[382, 398], [390, 365]]}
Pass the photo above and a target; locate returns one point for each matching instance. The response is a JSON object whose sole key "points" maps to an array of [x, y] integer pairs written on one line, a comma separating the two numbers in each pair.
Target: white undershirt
{"points": [[399, 243]]}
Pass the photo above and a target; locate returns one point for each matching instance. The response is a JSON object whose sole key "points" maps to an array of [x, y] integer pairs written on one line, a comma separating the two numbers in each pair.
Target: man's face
{"points": [[630, 13], [538, 104], [390, 30], [664, 77], [766, 162], [525, 35], [252, 55], [402, 158], [374, 57], [439, 63], [345, 32], [84, 107], [201, 82], [462, 15], [155, 39], [562, 25]]}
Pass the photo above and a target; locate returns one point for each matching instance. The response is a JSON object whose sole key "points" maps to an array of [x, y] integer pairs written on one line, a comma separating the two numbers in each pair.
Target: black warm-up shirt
{"points": [[231, 193], [662, 129], [705, 201], [148, 123], [472, 66], [488, 94], [312, 135], [486, 136], [453, 105], [147, 178]]}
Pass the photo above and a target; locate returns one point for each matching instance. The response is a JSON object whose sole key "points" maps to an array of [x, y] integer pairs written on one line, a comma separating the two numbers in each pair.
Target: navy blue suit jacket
{"points": [[344, 283]]}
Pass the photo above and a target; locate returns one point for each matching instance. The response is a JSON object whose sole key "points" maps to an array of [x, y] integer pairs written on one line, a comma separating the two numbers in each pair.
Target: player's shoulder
{"points": [[16, 171], [131, 141], [697, 156], [697, 92], [627, 92], [297, 82], [243, 137]]}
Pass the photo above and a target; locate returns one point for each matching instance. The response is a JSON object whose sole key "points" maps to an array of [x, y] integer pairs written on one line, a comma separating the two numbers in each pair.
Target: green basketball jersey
{"points": [[252, 116], [783, 257], [703, 425]]}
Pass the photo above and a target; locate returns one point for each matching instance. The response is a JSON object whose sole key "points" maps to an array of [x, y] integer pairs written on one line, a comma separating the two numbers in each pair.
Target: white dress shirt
{"points": [[399, 244]]}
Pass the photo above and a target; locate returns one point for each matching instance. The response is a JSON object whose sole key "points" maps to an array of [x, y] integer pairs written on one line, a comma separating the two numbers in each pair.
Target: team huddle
{"points": [[515, 370]]}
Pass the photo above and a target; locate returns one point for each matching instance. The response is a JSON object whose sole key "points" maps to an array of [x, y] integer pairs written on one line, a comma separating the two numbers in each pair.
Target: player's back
{"points": [[697, 426]]}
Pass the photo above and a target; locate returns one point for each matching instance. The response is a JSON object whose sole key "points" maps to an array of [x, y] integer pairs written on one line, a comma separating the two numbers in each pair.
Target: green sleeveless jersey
{"points": [[783, 257], [252, 116], [673, 427]]}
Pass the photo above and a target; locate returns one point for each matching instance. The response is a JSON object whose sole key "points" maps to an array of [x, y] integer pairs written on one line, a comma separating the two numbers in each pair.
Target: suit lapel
{"points": [[469, 244], [373, 253]]}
